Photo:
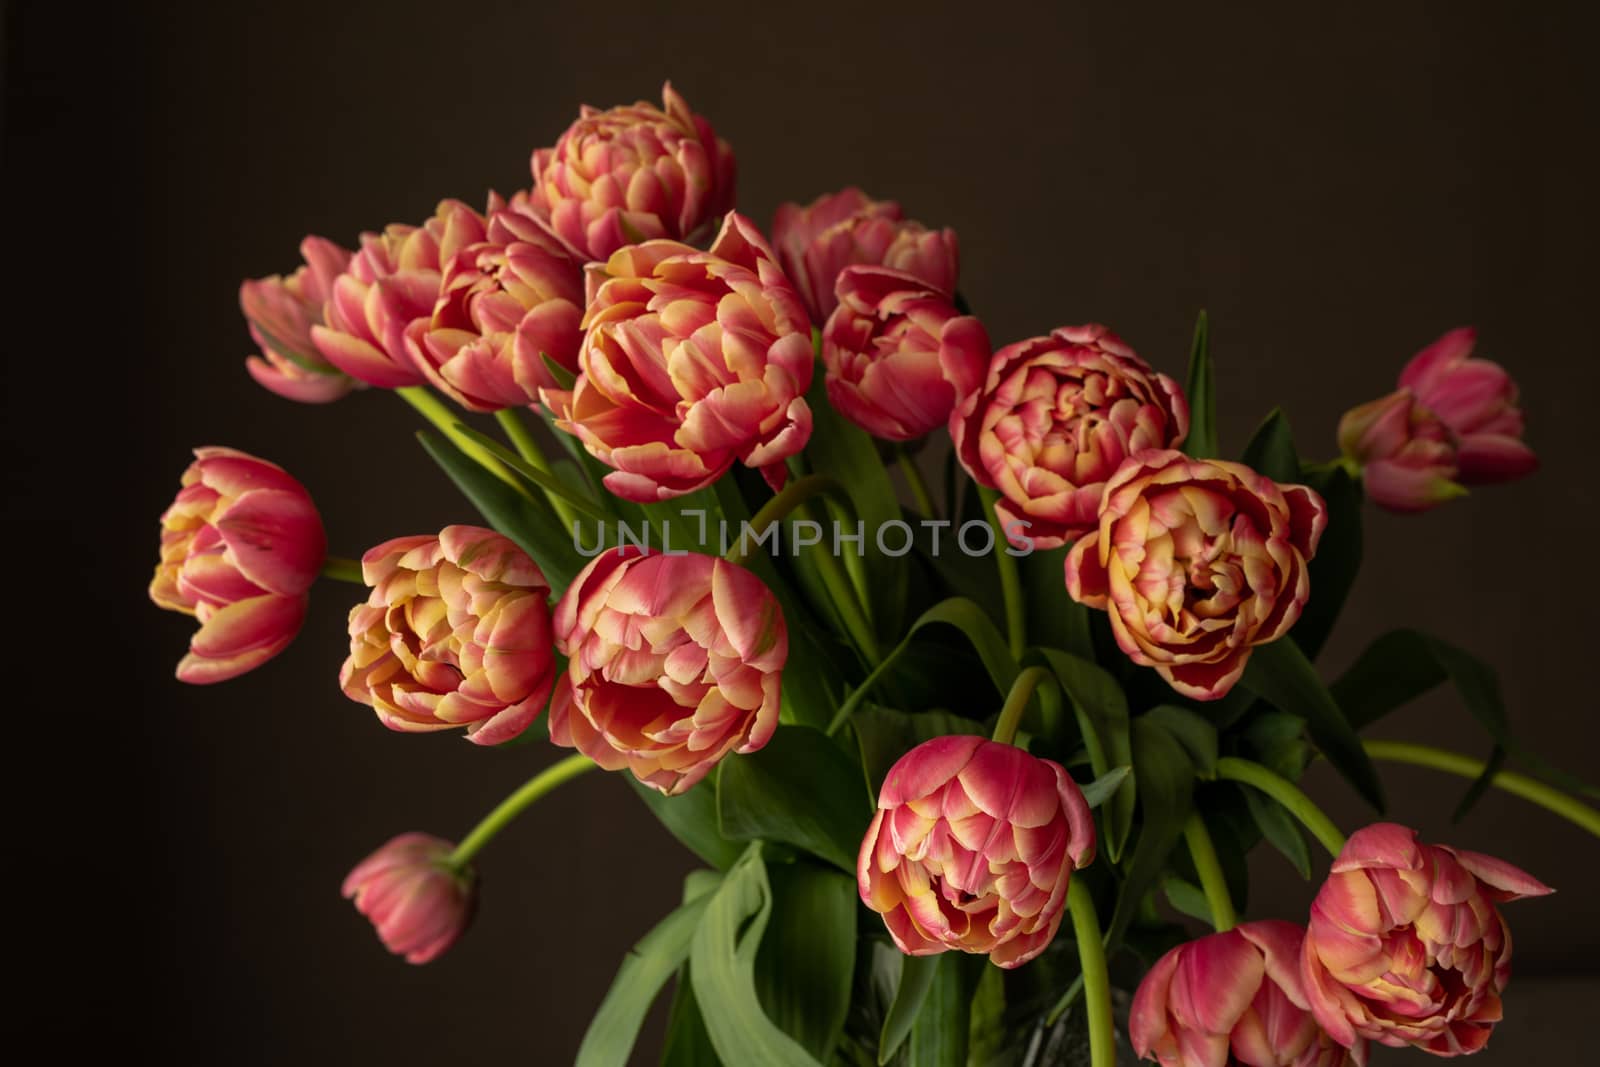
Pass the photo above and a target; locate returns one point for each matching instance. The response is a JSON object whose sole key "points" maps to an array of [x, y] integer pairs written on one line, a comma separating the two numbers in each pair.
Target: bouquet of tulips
{"points": [[959, 759]]}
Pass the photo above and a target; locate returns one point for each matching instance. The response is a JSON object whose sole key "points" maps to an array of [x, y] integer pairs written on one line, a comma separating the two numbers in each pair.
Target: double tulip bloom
{"points": [[1196, 561], [972, 849], [1055, 418], [282, 313], [240, 547], [692, 360], [418, 902], [1406, 945], [456, 633], [673, 662], [1453, 422]]}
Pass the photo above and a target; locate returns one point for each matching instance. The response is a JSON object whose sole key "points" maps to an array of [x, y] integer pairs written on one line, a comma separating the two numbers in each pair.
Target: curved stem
{"points": [[790, 497], [1212, 883], [1005, 731], [432, 408], [1096, 981], [848, 605], [1286, 793], [1553, 800], [857, 695], [1010, 581], [514, 805], [527, 447], [341, 569], [913, 476]]}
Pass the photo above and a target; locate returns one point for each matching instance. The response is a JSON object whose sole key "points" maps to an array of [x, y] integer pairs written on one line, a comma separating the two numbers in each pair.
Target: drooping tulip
{"points": [[691, 360], [240, 547], [1406, 455], [1055, 418], [418, 902], [1233, 999], [972, 848], [1196, 561], [899, 356], [456, 633], [281, 312], [816, 242], [1406, 945], [674, 661]]}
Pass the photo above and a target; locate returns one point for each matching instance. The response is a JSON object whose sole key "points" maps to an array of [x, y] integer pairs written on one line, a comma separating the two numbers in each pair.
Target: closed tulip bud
{"points": [[634, 173], [1196, 561], [972, 848], [1233, 999], [240, 547], [691, 360], [1407, 456], [818, 241], [1477, 400], [1406, 945], [673, 662], [456, 633], [898, 353], [282, 313], [416, 899]]}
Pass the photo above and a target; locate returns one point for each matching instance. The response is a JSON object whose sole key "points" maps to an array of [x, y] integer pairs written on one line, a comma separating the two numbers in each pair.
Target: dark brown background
{"points": [[1337, 187]]}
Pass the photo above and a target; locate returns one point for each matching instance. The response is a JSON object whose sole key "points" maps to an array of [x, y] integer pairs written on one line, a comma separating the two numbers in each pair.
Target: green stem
{"points": [[433, 409], [527, 446], [1212, 883], [1096, 981], [343, 570], [512, 806], [857, 695], [913, 476], [1010, 581], [1005, 731], [1286, 793], [847, 602], [778, 508], [1553, 800]]}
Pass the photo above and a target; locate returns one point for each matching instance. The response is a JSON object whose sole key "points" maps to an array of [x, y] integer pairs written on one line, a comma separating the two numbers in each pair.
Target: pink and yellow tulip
{"points": [[418, 903], [972, 848], [282, 312], [240, 547]]}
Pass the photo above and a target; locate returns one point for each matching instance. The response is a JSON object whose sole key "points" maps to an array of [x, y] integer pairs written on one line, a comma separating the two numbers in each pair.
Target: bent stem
{"points": [[432, 408], [527, 447], [914, 481], [1096, 981], [341, 569], [1010, 581], [778, 508], [1005, 730], [1552, 800], [515, 804], [1212, 882], [1286, 793]]}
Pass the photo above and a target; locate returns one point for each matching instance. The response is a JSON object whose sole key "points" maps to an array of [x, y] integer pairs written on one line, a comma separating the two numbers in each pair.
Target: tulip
{"points": [[456, 632], [240, 546], [391, 283], [1406, 454], [1405, 945], [898, 353], [691, 360], [673, 662], [1233, 998], [506, 303], [1477, 400], [1196, 561], [1055, 418], [417, 900], [282, 312], [972, 848], [833, 232], [634, 173]]}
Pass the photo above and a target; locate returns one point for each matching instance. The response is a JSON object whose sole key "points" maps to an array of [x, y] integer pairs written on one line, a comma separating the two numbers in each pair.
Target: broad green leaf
{"points": [[1279, 828], [808, 954], [1187, 898], [1166, 795], [916, 979], [691, 817], [1270, 450], [986, 1027], [1101, 708], [1201, 393], [1194, 733], [1280, 674], [1338, 558], [801, 789], [687, 1043], [1054, 619], [563, 378], [939, 1036], [883, 735], [1480, 785], [1102, 788], [722, 960]]}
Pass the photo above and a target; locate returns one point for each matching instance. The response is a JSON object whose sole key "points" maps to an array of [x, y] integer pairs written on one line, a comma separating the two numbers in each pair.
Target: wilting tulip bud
{"points": [[634, 173], [1407, 456], [1196, 561], [282, 312], [692, 360], [1233, 999], [392, 282], [1477, 400], [673, 662], [840, 229], [1054, 420], [1405, 945], [456, 632], [972, 848], [417, 900], [506, 302], [240, 546], [899, 355]]}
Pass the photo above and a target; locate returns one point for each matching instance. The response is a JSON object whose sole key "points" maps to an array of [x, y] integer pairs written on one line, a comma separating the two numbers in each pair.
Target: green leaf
{"points": [[939, 1036], [1101, 708], [916, 979], [687, 1043], [563, 378], [883, 735], [1202, 440], [801, 789], [691, 817], [1270, 450], [1279, 828], [1187, 898], [1480, 785], [1054, 618], [1280, 674], [1194, 733], [1334, 568], [808, 955], [986, 1028], [1098, 791], [722, 969], [1166, 795], [546, 480]]}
